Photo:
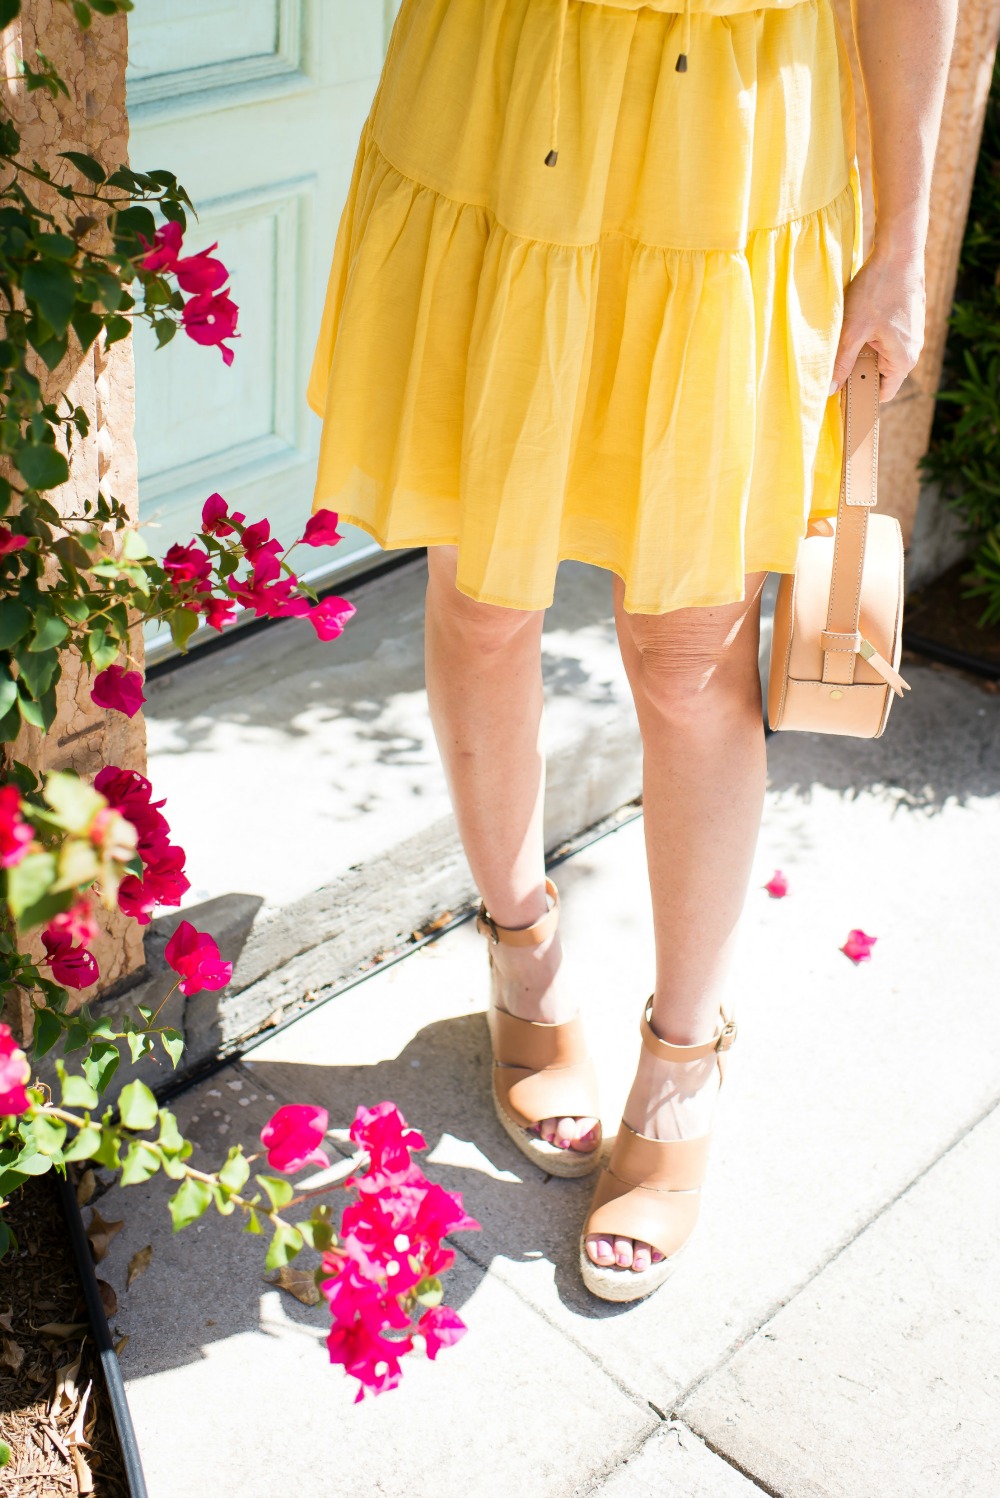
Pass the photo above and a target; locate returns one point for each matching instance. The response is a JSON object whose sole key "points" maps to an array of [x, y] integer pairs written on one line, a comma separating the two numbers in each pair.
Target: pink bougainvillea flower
{"points": [[385, 1136], [188, 564], [194, 956], [777, 885], [76, 925], [119, 690], [135, 900], [201, 272], [216, 519], [858, 946], [73, 967], [257, 540], [9, 542], [15, 1073], [292, 1137], [371, 1359], [16, 835], [329, 617], [162, 254], [441, 1327], [209, 319], [219, 612], [321, 529], [275, 600]]}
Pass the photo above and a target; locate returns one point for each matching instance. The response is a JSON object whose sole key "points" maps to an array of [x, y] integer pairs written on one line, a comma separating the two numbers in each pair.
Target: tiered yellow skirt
{"points": [[623, 358]]}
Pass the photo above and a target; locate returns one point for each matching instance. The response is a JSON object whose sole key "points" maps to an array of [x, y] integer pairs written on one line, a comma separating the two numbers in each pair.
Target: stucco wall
{"points": [[906, 421], [93, 120]]}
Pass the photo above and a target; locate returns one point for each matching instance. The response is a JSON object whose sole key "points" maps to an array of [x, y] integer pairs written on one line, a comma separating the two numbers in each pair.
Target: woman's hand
{"points": [[884, 306]]}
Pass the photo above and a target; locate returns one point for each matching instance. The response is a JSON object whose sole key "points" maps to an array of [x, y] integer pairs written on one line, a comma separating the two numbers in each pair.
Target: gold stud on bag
{"points": [[838, 618]]}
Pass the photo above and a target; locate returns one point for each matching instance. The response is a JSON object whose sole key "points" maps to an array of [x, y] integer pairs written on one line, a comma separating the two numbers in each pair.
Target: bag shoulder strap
{"points": [[858, 495]]}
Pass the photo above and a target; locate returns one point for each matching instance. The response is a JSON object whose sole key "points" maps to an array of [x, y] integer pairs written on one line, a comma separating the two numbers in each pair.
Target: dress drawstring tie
{"points": [[552, 155]]}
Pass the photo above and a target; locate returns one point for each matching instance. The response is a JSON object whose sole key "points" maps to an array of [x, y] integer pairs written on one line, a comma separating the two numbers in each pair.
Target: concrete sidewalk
{"points": [[835, 1333]]}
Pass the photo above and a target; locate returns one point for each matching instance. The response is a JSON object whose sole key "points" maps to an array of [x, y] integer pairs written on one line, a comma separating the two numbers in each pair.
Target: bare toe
{"points": [[547, 1129], [599, 1250], [565, 1132], [640, 1256], [623, 1252], [587, 1135]]}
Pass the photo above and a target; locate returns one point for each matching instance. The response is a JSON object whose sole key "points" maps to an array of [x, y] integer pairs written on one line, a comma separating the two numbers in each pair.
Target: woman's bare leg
{"points": [[484, 688], [694, 678]]}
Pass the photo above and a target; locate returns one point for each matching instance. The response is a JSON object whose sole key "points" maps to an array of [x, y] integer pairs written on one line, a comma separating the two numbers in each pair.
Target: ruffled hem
{"points": [[658, 412]]}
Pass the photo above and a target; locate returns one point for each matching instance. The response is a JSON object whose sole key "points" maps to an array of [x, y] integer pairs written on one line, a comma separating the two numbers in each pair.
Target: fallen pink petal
{"points": [[777, 885], [858, 946]]}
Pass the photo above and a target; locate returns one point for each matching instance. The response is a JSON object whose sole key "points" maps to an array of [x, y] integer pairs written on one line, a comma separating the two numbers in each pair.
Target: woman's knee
{"points": [[695, 663], [484, 627]]}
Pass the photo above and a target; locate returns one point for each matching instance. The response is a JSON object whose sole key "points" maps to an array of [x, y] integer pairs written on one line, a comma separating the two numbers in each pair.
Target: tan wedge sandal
{"points": [[650, 1189], [539, 1070]]}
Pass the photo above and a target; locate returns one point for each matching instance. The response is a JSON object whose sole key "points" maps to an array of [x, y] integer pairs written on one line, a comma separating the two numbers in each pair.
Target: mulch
{"points": [[55, 1414]]}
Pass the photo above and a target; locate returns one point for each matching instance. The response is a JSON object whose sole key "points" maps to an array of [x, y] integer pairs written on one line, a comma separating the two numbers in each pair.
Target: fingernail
{"points": [[834, 387]]}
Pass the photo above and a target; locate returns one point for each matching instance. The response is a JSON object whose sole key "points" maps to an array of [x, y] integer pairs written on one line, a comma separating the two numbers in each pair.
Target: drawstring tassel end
{"points": [[552, 157], [682, 56], [553, 153]]}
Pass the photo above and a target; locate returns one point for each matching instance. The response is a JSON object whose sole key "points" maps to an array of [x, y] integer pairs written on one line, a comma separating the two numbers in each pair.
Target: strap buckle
{"points": [[483, 918], [727, 1036]]}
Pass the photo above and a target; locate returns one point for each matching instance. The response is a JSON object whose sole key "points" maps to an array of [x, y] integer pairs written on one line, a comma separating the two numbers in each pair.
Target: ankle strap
{"points": [[723, 1038], [521, 936]]}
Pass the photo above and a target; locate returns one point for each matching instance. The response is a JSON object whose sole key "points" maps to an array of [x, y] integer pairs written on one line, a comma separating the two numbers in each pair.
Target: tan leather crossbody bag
{"points": [[837, 637]]}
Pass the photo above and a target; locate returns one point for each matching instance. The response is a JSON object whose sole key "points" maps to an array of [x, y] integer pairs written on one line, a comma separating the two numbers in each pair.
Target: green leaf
{"points": [[49, 632], [9, 1181], [49, 1134], [279, 1191], [86, 325], [141, 1162], [15, 621], [188, 1203], [8, 693], [116, 328], [430, 1291], [139, 1043], [236, 1171], [76, 1090], [137, 1106], [134, 548], [318, 1230], [28, 881], [39, 714], [47, 1031], [5, 1451], [286, 1243], [30, 1162], [173, 1044], [109, 1152], [38, 670], [41, 467], [85, 1145], [75, 804], [51, 285], [183, 623], [252, 1224], [8, 10], [102, 1063], [85, 165]]}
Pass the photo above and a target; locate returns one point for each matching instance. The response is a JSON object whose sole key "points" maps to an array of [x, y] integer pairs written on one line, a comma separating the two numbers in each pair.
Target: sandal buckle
{"points": [[727, 1036], [484, 918]]}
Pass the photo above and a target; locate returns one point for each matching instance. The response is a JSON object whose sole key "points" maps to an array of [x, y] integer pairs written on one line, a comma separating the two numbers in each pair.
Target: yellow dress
{"points": [[624, 357]]}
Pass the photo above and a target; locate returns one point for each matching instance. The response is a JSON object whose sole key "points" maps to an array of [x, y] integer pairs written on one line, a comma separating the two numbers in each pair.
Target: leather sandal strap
{"points": [[521, 936], [721, 1041], [534, 1045]]}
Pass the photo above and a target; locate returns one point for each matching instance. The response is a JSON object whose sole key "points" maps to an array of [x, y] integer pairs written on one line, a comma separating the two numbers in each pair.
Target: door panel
{"points": [[257, 105]]}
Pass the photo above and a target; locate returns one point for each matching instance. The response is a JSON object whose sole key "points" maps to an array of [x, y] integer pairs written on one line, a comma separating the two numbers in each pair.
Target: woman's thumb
{"points": [[851, 345]]}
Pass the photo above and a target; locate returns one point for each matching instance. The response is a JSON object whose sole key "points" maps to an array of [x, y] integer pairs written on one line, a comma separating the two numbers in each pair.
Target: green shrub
{"points": [[964, 454]]}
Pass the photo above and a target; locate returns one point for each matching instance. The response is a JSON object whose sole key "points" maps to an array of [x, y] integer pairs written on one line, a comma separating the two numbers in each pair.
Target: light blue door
{"points": [[257, 106]]}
